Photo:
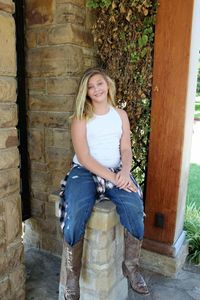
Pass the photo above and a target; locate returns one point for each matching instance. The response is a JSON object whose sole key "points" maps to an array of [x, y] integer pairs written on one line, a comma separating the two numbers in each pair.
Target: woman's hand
{"points": [[123, 181]]}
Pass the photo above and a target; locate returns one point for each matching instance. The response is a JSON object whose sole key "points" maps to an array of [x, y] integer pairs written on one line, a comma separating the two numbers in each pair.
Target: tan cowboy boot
{"points": [[131, 262], [71, 263]]}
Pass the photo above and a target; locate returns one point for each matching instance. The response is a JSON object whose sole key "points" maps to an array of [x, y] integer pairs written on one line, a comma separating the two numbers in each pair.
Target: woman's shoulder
{"points": [[76, 122], [121, 112]]}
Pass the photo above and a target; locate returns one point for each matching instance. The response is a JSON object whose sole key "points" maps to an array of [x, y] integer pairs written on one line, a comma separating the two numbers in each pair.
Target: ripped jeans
{"points": [[80, 195]]}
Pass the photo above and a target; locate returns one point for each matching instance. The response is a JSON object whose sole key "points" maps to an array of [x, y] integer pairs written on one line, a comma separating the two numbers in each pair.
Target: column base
{"points": [[164, 259]]}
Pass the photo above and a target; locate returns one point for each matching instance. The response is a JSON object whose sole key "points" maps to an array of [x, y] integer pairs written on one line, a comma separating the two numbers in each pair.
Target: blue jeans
{"points": [[80, 196]]}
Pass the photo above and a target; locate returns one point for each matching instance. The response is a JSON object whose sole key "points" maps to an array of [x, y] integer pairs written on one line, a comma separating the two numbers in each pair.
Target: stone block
{"points": [[162, 264], [17, 279], [90, 18], [7, 41], [39, 166], [8, 115], [2, 232], [100, 239], [7, 6], [99, 282], [37, 85], [49, 210], [13, 217], [3, 264], [60, 138], [54, 61], [37, 208], [72, 34], [42, 37], [47, 226], [8, 138], [15, 255], [39, 12], [20, 294], [4, 288], [40, 180], [62, 86], [104, 216], [51, 103], [49, 119], [36, 144], [9, 158], [31, 38], [38, 195], [9, 182], [80, 3], [97, 256], [58, 158], [8, 89], [69, 13]]}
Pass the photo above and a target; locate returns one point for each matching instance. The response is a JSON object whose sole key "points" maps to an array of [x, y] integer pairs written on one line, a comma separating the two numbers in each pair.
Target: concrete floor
{"points": [[43, 279]]}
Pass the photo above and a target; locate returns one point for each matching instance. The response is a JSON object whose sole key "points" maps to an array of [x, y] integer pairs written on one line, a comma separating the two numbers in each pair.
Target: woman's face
{"points": [[97, 89]]}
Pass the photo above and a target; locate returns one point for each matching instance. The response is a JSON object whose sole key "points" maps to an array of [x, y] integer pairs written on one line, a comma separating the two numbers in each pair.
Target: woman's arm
{"points": [[79, 140], [123, 177]]}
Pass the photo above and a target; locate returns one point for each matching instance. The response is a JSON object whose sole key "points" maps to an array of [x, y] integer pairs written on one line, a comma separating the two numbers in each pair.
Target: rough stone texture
{"points": [[12, 275], [8, 89], [7, 41], [103, 252], [39, 12], [59, 48]]}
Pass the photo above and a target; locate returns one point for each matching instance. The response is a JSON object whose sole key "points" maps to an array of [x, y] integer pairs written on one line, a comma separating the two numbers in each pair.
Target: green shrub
{"points": [[192, 227]]}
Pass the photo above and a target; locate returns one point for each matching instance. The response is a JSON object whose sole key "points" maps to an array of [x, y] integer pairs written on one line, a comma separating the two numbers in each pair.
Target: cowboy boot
{"points": [[71, 266], [131, 263]]}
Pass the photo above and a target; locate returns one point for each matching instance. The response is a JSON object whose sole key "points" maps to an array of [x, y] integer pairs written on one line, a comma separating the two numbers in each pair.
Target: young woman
{"points": [[101, 166]]}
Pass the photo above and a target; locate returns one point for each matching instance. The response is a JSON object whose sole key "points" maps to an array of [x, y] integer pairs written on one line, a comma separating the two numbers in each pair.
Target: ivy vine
{"points": [[124, 36]]}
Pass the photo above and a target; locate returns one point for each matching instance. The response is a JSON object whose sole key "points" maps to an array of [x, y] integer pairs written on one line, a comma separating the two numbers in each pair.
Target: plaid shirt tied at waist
{"points": [[101, 186]]}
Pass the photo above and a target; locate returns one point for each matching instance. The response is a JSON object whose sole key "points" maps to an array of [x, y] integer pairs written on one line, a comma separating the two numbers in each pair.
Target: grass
{"points": [[193, 193], [197, 108], [192, 214]]}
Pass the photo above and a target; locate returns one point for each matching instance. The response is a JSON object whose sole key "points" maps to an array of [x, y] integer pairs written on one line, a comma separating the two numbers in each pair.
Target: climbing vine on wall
{"points": [[124, 36]]}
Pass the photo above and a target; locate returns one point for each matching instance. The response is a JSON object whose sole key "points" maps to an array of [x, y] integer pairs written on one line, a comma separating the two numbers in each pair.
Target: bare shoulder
{"points": [[78, 126], [78, 122], [122, 113]]}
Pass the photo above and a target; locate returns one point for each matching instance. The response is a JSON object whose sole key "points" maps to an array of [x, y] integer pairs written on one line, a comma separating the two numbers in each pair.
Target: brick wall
{"points": [[11, 249], [59, 48]]}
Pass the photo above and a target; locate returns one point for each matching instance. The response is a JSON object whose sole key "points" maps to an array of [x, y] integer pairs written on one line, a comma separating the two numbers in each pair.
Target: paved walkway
{"points": [[43, 279]]}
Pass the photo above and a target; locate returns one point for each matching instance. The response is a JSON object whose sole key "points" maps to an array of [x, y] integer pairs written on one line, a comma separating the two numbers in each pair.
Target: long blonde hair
{"points": [[83, 104]]}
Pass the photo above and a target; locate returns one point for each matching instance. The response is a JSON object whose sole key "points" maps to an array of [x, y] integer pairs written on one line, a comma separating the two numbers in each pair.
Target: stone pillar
{"points": [[101, 275], [59, 48], [12, 275]]}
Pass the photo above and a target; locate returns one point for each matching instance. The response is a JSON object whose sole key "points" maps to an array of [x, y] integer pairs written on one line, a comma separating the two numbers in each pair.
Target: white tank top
{"points": [[103, 138]]}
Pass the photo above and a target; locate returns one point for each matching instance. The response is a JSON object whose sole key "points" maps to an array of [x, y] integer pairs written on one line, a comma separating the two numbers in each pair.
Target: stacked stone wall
{"points": [[59, 48], [12, 275]]}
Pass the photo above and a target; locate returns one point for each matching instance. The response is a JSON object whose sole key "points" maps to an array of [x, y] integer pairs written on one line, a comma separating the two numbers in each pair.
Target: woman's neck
{"points": [[101, 109]]}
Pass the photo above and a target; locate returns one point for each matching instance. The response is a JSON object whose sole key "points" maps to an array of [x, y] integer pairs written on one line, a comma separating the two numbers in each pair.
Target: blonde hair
{"points": [[83, 104]]}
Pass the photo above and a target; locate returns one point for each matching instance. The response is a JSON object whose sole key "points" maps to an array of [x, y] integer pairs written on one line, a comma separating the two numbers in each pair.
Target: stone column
{"points": [[12, 276], [59, 48]]}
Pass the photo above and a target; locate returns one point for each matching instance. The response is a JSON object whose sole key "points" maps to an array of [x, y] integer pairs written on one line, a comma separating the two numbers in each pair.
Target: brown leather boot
{"points": [[131, 262], [71, 259]]}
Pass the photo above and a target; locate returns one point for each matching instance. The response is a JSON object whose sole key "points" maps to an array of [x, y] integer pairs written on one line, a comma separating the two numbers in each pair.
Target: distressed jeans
{"points": [[80, 195]]}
